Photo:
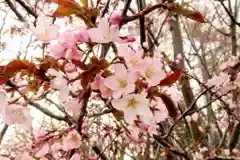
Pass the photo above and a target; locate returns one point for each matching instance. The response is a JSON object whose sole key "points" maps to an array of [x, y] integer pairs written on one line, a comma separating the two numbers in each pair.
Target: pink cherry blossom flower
{"points": [[116, 19], [60, 83], [104, 33], [16, 114], [65, 47], [24, 156], [56, 147], [98, 81], [122, 82], [43, 151], [76, 156], [70, 68], [152, 71], [73, 107], [149, 126], [82, 36], [105, 91], [44, 30], [72, 140], [133, 105], [133, 59]]}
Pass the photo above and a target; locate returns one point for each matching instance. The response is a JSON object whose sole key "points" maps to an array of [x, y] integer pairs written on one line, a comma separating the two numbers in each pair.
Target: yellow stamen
{"points": [[74, 138], [132, 103], [123, 83], [18, 115], [134, 61], [44, 35], [149, 72]]}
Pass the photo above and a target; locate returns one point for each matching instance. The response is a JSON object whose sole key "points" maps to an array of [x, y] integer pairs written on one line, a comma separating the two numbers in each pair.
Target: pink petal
{"points": [[111, 82], [119, 104], [95, 35], [129, 116], [76, 157]]}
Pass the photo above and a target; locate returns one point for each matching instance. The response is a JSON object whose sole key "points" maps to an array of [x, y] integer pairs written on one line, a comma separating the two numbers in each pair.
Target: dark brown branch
{"points": [[141, 5], [27, 8], [4, 130], [13, 8], [99, 153], [144, 12], [85, 99], [126, 7], [229, 14]]}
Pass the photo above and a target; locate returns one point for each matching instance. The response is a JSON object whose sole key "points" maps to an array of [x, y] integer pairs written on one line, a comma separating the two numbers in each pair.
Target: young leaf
{"points": [[171, 78]]}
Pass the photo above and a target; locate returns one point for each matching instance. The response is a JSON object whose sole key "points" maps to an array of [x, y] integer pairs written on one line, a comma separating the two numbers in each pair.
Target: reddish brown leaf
{"points": [[186, 11], [69, 7], [79, 64], [172, 111], [9, 70], [196, 16], [171, 78], [99, 63], [62, 11]]}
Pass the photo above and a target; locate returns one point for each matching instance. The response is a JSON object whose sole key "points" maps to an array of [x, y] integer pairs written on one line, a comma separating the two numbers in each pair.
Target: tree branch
{"points": [[27, 8], [13, 8], [4, 130]]}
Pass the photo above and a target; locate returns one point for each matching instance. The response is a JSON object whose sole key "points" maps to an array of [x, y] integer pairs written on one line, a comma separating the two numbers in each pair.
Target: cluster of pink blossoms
{"points": [[121, 87]]}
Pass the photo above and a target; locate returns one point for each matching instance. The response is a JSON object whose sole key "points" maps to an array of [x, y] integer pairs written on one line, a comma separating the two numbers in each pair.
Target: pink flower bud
{"points": [[115, 19]]}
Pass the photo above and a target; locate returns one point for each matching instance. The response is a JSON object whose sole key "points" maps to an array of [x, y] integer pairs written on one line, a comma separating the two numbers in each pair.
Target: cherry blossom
{"points": [[133, 105], [43, 151], [24, 156], [65, 47], [104, 33], [105, 91], [122, 82], [133, 59], [73, 107], [98, 81], [59, 82], [44, 30], [76, 156], [56, 147], [98, 84], [72, 140], [16, 114], [152, 71]]}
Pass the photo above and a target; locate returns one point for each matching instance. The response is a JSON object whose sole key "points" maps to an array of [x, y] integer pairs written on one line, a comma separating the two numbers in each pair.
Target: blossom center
{"points": [[134, 61], [74, 138], [18, 115], [108, 34], [149, 72], [44, 35], [123, 83], [132, 103]]}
